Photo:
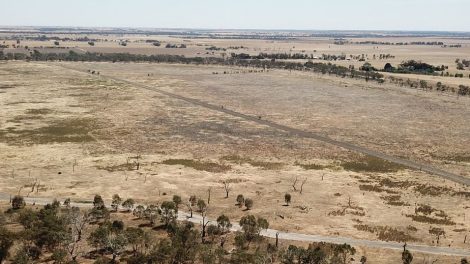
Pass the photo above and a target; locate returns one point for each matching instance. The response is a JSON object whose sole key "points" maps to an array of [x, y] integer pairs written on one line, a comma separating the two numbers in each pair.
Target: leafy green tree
{"points": [[313, 254], [201, 205], [248, 203], [136, 237], [139, 211], [162, 252], [240, 200], [51, 229], [184, 240], [28, 218], [98, 202], [116, 202], [99, 210], [249, 226], [116, 243], [423, 84], [151, 213], [128, 204], [17, 202], [388, 67], [290, 255], [241, 240], [223, 222], [6, 242], [287, 198], [177, 200], [59, 256], [97, 213], [213, 231], [109, 236], [406, 257], [342, 253], [98, 238], [262, 224], [169, 212], [207, 255]]}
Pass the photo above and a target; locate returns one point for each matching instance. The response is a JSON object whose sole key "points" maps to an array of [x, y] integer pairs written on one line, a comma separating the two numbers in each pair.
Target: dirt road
{"points": [[299, 133], [271, 233]]}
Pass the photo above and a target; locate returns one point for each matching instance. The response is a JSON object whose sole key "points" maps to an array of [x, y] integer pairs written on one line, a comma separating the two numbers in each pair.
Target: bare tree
{"points": [[227, 188], [203, 211], [294, 183], [190, 209], [191, 203], [302, 185], [209, 195], [74, 164], [79, 221]]}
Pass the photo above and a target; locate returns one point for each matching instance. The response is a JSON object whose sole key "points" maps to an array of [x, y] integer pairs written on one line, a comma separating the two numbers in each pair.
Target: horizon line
{"points": [[235, 29]]}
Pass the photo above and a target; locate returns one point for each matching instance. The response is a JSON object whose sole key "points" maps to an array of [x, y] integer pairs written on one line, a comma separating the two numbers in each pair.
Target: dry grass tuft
{"points": [[74, 130], [386, 233], [371, 164], [266, 165], [198, 165]]}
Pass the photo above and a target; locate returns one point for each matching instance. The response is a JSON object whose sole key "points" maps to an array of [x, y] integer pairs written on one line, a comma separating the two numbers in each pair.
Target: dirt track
{"points": [[301, 133]]}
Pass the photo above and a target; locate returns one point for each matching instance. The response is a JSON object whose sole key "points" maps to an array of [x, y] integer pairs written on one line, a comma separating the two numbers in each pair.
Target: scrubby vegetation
{"points": [[416, 67], [427, 214], [314, 166], [255, 163], [387, 233], [66, 130], [371, 164], [60, 233], [198, 165]]}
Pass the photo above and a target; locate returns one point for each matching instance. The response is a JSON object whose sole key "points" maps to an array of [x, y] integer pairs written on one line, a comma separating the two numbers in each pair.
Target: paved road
{"points": [[301, 133], [271, 233]]}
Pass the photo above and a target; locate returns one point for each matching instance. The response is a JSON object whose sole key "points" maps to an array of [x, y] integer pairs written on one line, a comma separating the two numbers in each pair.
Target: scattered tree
{"points": [[116, 202], [287, 198], [240, 200], [227, 188], [201, 205], [128, 204], [177, 200], [17, 202], [223, 222], [169, 213], [248, 203]]}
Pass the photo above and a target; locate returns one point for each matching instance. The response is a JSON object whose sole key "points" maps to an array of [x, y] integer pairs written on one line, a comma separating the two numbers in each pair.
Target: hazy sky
{"points": [[241, 14]]}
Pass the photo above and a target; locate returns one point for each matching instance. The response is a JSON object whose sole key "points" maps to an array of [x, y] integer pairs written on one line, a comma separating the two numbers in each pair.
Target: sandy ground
{"points": [[112, 123]]}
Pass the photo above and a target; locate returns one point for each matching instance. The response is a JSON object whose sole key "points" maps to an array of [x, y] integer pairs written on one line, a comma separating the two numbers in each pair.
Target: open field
{"points": [[77, 134]]}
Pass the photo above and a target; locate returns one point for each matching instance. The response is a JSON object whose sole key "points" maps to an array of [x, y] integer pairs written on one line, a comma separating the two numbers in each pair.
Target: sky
{"points": [[429, 15]]}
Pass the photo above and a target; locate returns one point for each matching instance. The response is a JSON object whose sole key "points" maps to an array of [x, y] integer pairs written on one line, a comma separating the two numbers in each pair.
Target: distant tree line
{"points": [[324, 68], [366, 72], [415, 67], [214, 48], [48, 38], [175, 46], [462, 64], [387, 43]]}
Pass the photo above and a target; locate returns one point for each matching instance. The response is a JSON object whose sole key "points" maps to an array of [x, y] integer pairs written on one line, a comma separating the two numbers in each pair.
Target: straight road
{"points": [[299, 133]]}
